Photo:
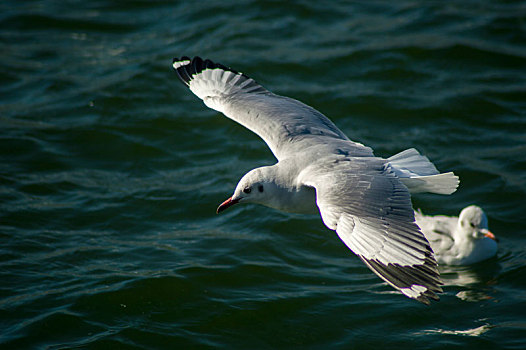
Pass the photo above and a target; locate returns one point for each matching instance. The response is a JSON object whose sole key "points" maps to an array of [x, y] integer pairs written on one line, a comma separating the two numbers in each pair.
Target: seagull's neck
{"points": [[460, 236], [287, 194], [469, 250], [300, 200], [465, 237]]}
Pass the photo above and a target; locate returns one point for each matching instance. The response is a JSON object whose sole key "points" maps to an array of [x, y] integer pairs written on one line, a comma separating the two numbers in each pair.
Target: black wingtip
{"points": [[419, 282], [187, 67], [180, 65]]}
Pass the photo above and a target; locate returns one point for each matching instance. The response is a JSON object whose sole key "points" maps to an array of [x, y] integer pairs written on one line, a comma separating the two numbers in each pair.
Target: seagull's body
{"points": [[364, 198], [462, 240]]}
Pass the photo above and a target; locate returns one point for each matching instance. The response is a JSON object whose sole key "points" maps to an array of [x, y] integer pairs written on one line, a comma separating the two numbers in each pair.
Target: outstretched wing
{"points": [[285, 124], [370, 210]]}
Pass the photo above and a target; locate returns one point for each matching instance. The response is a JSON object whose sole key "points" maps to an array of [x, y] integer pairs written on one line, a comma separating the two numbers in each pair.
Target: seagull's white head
{"points": [[474, 223], [257, 186]]}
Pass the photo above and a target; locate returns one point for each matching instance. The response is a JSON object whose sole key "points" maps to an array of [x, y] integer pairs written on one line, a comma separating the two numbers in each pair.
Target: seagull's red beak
{"points": [[489, 234], [226, 204]]}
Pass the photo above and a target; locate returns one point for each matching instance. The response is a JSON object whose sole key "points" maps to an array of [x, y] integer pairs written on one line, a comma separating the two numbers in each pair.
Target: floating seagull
{"points": [[364, 198], [462, 240]]}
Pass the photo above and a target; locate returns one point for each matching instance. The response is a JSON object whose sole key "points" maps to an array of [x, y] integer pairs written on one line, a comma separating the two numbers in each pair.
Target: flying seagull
{"points": [[364, 198]]}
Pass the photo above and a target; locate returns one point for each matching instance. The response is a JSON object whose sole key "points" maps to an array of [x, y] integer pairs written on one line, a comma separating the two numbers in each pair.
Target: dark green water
{"points": [[110, 173]]}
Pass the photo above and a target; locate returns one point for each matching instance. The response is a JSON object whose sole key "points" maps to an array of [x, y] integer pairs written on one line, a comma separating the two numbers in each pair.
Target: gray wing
{"points": [[370, 210], [438, 231], [285, 124]]}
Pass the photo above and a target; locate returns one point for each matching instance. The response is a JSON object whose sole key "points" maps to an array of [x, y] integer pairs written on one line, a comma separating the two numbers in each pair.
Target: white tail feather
{"points": [[445, 183], [418, 174]]}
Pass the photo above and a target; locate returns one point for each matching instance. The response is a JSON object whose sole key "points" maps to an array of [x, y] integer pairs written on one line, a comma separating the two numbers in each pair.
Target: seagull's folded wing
{"points": [[370, 210], [285, 124], [437, 229]]}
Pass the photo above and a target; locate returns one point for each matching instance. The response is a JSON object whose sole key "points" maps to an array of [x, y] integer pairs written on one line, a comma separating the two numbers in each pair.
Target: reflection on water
{"points": [[473, 332], [475, 281]]}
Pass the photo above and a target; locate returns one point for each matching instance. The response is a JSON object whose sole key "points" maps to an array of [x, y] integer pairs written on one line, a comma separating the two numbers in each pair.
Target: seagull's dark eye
{"points": [[247, 190], [472, 224], [260, 188]]}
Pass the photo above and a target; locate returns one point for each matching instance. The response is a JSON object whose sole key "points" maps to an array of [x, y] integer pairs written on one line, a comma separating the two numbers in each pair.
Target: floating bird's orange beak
{"points": [[489, 234], [226, 204]]}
